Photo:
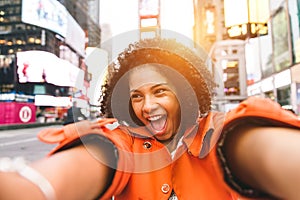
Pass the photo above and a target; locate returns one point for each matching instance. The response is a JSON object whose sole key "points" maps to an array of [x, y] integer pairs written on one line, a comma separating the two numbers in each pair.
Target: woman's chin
{"points": [[163, 137]]}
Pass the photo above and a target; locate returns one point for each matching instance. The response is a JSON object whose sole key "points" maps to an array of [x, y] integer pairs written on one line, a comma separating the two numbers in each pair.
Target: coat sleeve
{"points": [[74, 134], [259, 112]]}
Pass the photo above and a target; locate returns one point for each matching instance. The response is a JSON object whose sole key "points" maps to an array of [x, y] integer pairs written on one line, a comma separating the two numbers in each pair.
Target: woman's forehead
{"points": [[145, 74]]}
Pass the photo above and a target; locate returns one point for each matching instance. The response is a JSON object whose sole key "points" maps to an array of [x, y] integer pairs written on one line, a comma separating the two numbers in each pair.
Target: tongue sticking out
{"points": [[159, 124]]}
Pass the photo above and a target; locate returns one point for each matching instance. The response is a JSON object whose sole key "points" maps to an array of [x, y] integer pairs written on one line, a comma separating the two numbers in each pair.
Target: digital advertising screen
{"points": [[49, 14]]}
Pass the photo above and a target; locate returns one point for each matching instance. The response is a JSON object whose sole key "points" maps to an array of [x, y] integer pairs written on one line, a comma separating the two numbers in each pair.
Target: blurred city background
{"points": [[253, 48]]}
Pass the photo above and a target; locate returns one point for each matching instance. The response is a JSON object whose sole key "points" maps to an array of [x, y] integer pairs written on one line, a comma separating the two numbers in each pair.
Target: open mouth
{"points": [[158, 123]]}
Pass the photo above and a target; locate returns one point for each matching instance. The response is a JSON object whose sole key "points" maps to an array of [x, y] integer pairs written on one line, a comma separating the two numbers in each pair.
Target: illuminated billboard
{"points": [[49, 14], [149, 8], [42, 66]]}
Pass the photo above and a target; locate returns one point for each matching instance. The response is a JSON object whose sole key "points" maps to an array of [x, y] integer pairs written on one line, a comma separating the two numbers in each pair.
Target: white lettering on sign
{"points": [[25, 114]]}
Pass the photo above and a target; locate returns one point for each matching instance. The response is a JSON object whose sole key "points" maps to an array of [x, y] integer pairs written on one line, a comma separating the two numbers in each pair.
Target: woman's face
{"points": [[154, 102]]}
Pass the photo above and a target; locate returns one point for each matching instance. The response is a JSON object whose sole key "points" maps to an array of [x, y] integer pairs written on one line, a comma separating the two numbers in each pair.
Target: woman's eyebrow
{"points": [[153, 87], [158, 85]]}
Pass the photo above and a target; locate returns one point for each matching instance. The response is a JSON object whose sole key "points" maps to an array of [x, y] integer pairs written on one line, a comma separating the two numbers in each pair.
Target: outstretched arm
{"points": [[73, 174], [266, 158]]}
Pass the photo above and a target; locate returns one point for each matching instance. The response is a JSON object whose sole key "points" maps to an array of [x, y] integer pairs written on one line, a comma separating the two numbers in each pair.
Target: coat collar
{"points": [[208, 133], [200, 138]]}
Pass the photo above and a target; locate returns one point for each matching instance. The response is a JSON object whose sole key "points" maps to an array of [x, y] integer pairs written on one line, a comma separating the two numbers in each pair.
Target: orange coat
{"points": [[147, 171]]}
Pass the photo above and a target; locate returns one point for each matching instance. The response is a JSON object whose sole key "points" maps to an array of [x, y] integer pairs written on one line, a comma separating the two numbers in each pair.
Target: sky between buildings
{"points": [[122, 15]]}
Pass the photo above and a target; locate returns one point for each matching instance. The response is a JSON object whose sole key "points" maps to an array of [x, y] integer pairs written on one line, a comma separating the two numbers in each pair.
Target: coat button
{"points": [[165, 188], [147, 145]]}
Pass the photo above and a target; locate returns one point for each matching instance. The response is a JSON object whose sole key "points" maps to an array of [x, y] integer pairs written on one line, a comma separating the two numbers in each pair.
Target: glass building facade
{"points": [[59, 29], [273, 64]]}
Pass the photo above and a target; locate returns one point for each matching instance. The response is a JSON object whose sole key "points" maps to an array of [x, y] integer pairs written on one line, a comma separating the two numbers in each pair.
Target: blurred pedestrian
{"points": [[74, 114]]}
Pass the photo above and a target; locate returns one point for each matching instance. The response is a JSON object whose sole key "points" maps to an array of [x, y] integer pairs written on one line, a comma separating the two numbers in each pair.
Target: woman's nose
{"points": [[149, 104]]}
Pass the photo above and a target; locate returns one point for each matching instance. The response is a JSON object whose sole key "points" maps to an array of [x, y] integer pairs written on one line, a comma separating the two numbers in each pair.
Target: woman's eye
{"points": [[135, 96], [159, 91]]}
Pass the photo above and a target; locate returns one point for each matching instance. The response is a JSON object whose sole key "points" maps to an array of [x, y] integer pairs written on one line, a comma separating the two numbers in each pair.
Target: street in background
{"points": [[24, 143]]}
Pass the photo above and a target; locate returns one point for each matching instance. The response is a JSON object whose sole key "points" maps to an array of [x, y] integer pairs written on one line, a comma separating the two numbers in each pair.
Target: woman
{"points": [[168, 144]]}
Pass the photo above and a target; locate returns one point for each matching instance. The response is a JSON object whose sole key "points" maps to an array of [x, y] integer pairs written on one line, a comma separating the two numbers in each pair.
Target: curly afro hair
{"points": [[165, 52]]}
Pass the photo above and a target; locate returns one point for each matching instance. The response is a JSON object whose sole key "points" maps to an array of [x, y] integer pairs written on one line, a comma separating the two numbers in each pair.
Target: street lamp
{"points": [[246, 19]]}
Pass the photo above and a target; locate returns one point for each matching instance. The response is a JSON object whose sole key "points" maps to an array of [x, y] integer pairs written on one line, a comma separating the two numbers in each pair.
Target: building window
{"points": [[294, 14], [281, 56]]}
